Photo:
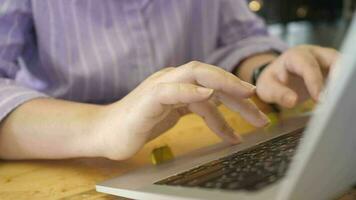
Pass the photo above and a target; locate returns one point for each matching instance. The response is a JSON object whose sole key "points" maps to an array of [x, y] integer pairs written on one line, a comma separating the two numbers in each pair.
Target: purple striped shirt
{"points": [[98, 50]]}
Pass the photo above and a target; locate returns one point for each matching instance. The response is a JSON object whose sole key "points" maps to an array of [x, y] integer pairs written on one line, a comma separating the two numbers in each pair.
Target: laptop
{"points": [[306, 157]]}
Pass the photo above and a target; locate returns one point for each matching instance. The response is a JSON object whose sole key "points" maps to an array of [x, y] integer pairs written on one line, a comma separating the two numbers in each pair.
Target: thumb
{"points": [[273, 91]]}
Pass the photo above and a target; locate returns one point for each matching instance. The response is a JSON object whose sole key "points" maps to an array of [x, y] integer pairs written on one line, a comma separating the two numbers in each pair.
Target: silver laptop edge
{"points": [[322, 168], [325, 163]]}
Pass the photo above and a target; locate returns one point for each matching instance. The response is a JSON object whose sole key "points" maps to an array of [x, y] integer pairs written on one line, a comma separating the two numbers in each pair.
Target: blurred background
{"points": [[321, 22]]}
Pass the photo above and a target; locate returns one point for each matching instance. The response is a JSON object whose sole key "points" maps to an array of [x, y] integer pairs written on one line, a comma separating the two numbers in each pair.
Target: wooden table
{"points": [[75, 178]]}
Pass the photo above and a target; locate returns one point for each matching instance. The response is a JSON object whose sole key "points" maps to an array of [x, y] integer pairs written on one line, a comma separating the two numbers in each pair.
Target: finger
{"points": [[246, 108], [215, 99], [211, 77], [306, 66], [326, 57], [273, 91], [215, 121], [282, 73], [180, 93]]}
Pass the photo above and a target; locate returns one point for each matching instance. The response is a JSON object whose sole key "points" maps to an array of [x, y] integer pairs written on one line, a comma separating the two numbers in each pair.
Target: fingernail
{"points": [[317, 95], [318, 98], [236, 138], [205, 91], [290, 99], [265, 119], [248, 85]]}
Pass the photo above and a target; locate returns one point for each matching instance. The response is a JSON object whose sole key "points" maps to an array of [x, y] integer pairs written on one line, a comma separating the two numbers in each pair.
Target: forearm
{"points": [[247, 66], [49, 128]]}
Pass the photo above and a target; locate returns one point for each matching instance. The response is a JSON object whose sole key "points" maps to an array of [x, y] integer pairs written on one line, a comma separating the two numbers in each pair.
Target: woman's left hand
{"points": [[297, 74]]}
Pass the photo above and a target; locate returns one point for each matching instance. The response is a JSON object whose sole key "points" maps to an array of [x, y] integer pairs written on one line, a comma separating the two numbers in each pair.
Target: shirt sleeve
{"points": [[15, 25], [241, 34]]}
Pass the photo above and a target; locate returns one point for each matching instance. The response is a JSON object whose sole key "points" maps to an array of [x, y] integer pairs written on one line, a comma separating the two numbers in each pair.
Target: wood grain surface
{"points": [[75, 179]]}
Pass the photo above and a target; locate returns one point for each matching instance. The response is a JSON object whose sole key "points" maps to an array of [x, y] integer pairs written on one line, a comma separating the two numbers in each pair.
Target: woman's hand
{"points": [[158, 102], [297, 74]]}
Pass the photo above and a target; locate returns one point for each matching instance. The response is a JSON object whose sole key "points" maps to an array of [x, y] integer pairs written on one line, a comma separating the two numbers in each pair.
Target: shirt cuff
{"points": [[12, 96], [228, 57]]}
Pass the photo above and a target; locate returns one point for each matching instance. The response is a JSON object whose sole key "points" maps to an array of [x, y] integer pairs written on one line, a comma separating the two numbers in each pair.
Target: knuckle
{"points": [[193, 64], [156, 88], [155, 77], [180, 88], [166, 69], [156, 74]]}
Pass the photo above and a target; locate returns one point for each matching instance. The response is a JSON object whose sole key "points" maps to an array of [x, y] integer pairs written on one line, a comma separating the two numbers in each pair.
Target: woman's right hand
{"points": [[158, 103]]}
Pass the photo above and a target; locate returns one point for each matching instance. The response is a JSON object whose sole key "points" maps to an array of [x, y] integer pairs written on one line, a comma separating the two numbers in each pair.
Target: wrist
{"points": [[246, 68], [109, 133], [95, 125]]}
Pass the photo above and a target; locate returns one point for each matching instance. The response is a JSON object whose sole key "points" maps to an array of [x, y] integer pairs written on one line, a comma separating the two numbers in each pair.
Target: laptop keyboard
{"points": [[250, 169]]}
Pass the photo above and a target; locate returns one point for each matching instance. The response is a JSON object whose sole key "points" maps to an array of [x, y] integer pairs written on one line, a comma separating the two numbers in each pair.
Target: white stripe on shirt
{"points": [[83, 61]]}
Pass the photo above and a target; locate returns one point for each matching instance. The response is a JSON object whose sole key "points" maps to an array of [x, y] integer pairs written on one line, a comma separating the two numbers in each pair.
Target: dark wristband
{"points": [[257, 72]]}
